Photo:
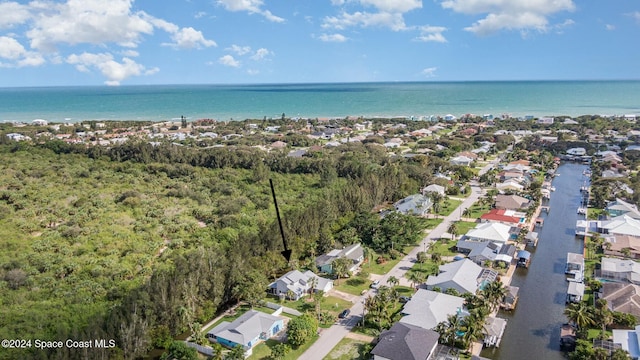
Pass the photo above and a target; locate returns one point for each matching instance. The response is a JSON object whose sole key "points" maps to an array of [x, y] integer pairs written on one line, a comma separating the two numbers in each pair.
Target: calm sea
{"points": [[239, 102]]}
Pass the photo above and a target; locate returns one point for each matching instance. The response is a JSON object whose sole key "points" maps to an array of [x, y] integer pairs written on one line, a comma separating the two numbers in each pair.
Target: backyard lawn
{"points": [[444, 247], [465, 226], [448, 206], [353, 285], [348, 349], [263, 351]]}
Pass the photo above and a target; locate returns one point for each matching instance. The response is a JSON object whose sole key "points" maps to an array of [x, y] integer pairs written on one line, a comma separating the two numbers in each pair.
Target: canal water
{"points": [[533, 328]]}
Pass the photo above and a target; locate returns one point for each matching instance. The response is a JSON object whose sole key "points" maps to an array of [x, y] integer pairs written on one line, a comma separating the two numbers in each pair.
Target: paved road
{"points": [[330, 337]]}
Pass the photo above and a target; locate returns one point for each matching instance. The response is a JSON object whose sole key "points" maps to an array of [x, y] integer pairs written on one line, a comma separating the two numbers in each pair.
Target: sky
{"points": [[127, 42]]}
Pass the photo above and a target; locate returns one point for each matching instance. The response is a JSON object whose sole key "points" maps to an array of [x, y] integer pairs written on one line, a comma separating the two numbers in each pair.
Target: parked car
{"points": [[404, 299], [375, 284], [344, 313]]}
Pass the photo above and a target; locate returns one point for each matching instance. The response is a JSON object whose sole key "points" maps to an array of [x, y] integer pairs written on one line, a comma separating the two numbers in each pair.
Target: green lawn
{"points": [[404, 291], [348, 349], [444, 248], [353, 285], [478, 210], [328, 303], [448, 206], [465, 226], [263, 351], [239, 311], [593, 213], [380, 269], [432, 223], [595, 333]]}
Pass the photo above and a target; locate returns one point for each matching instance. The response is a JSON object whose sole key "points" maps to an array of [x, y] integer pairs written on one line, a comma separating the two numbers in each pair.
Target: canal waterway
{"points": [[533, 328]]}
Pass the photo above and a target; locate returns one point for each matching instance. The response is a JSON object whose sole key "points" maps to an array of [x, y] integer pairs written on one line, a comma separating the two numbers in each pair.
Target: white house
{"points": [[299, 284], [577, 151], [416, 204], [620, 270], [435, 188], [465, 276], [490, 231]]}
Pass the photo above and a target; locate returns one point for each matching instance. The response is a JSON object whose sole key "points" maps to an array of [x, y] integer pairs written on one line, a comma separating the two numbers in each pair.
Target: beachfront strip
{"points": [[454, 309]]}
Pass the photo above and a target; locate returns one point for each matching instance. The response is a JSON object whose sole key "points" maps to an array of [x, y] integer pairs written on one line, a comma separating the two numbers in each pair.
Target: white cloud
{"points": [[12, 50], [200, 14], [609, 27], [13, 13], [636, 15], [431, 34], [520, 15], [87, 21], [253, 72], [114, 71], [261, 54], [394, 21], [332, 38], [250, 6], [130, 53], [240, 50], [429, 72], [190, 38], [392, 6], [229, 60]]}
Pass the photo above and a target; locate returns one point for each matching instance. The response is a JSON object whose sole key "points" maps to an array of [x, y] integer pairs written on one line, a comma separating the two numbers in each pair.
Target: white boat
{"points": [[582, 211], [553, 188]]}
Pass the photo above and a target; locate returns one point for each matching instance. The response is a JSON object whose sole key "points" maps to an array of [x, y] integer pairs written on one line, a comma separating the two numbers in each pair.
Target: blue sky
{"points": [[122, 42]]}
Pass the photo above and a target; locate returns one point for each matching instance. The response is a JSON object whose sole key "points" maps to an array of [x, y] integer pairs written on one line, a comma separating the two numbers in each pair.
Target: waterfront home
{"points": [[623, 270], [622, 297], [405, 341], [629, 340], [464, 276], [482, 251], [579, 151], [492, 231], [622, 245], [575, 292], [427, 308], [493, 330], [510, 299], [416, 204], [531, 238], [250, 329], [567, 337], [620, 225], [507, 217], [509, 185], [353, 252], [575, 266], [511, 202], [621, 207], [297, 284]]}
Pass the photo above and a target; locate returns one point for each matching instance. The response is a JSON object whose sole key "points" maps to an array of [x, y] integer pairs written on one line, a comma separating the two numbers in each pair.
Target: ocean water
{"points": [[239, 102]]}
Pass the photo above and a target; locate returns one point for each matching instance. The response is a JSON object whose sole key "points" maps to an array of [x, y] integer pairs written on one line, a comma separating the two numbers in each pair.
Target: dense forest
{"points": [[137, 242]]}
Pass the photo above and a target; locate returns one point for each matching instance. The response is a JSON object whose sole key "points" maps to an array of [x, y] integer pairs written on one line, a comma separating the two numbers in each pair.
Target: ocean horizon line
{"points": [[382, 82]]}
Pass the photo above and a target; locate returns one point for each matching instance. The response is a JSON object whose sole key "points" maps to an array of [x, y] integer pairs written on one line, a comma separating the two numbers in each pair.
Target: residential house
{"points": [[511, 202], [629, 339], [622, 297], [461, 160], [416, 204], [298, 284], [621, 207], [434, 188], [353, 252], [622, 245], [545, 120], [40, 122], [250, 329], [482, 251], [405, 342], [491, 231], [575, 292], [464, 276], [427, 308], [278, 145], [506, 217], [579, 151], [510, 185], [493, 330], [620, 225], [622, 270]]}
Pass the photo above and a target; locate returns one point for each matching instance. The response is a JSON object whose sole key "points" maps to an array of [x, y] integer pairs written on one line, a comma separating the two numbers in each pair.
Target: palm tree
{"points": [[218, 351], [448, 330], [579, 314], [453, 229], [493, 293], [466, 212], [393, 281]]}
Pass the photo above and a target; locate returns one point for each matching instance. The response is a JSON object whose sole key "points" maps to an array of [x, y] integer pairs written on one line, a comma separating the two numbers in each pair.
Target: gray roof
{"points": [[463, 273], [413, 204], [353, 252], [512, 202], [406, 342], [245, 328], [428, 308]]}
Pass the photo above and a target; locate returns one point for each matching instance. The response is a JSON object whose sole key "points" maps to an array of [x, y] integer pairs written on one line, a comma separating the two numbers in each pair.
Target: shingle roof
{"points": [[245, 328], [406, 342], [428, 308]]}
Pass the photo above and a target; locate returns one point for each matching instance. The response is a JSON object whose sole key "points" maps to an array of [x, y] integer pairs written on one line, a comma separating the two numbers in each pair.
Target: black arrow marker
{"points": [[287, 252]]}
